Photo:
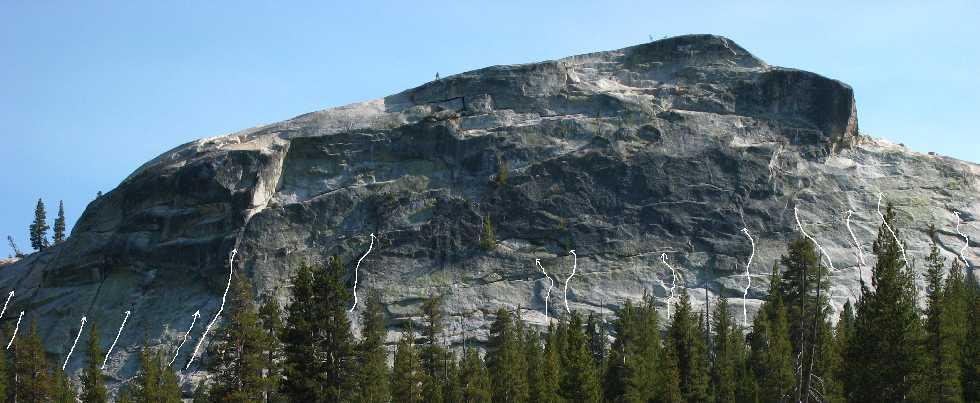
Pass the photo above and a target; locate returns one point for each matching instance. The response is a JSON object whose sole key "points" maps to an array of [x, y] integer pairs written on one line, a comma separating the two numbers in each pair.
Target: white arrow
{"points": [[574, 266], [857, 245], [200, 342], [106, 360], [355, 272], [11, 295], [551, 284], [673, 282], [748, 277], [966, 264], [68, 357], [17, 327], [196, 315]]}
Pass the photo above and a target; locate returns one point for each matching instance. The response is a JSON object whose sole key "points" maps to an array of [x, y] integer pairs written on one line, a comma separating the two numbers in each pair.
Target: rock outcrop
{"points": [[670, 147]]}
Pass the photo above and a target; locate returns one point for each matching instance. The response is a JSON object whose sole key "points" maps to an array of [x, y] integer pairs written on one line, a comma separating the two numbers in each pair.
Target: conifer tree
{"points": [[59, 224], [488, 240], [728, 353], [474, 380], [884, 356], [506, 360], [238, 354], [317, 339], [407, 376], [771, 352], [580, 381], [435, 358], [270, 316], [550, 369], [155, 382], [93, 385], [39, 228], [598, 342], [125, 395], [942, 366], [670, 376], [32, 380], [61, 389], [971, 346], [534, 356], [5, 373], [633, 374], [372, 360], [688, 343]]}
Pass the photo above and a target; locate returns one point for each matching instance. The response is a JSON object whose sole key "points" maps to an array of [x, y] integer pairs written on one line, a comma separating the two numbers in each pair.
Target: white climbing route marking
{"points": [[574, 266], [959, 222], [358, 266], [197, 314], [826, 256], [186, 335], [200, 342], [889, 228], [106, 360], [857, 245], [68, 357], [9, 296], [673, 283], [748, 278], [16, 328], [551, 284]]}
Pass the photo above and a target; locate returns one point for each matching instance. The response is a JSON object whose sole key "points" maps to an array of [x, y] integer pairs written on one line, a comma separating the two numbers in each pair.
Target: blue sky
{"points": [[91, 90]]}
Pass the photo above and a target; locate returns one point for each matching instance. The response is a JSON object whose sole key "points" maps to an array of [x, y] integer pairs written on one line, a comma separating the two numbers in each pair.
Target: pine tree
{"points": [[843, 335], [670, 376], [971, 347], [506, 360], [39, 228], [238, 353], [884, 355], [633, 374], [550, 369], [32, 381], [598, 342], [435, 358], [61, 389], [688, 343], [125, 395], [771, 352], [372, 356], [942, 369], [473, 378], [270, 316], [59, 224], [580, 381], [317, 339], [488, 240], [5, 375], [728, 353], [407, 376], [155, 382], [93, 385]]}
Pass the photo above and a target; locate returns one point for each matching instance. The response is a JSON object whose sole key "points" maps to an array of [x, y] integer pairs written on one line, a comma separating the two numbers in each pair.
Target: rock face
{"points": [[670, 147]]}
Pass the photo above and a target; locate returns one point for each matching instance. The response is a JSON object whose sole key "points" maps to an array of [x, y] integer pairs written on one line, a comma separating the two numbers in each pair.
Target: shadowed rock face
{"points": [[668, 147]]}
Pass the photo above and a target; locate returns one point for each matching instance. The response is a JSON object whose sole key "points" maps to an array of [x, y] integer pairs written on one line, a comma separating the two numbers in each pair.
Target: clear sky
{"points": [[91, 90]]}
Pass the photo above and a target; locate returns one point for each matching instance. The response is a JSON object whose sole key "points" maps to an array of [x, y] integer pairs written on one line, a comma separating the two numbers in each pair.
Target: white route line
{"points": [[826, 256], [68, 357], [574, 266], [551, 284], [194, 317], [16, 328], [106, 360], [358, 266], [200, 342], [748, 277], [9, 296], [673, 282], [966, 243], [889, 227], [857, 245]]}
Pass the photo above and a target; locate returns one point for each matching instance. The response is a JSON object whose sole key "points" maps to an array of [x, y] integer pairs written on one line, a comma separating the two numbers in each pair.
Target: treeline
{"points": [[883, 348]]}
